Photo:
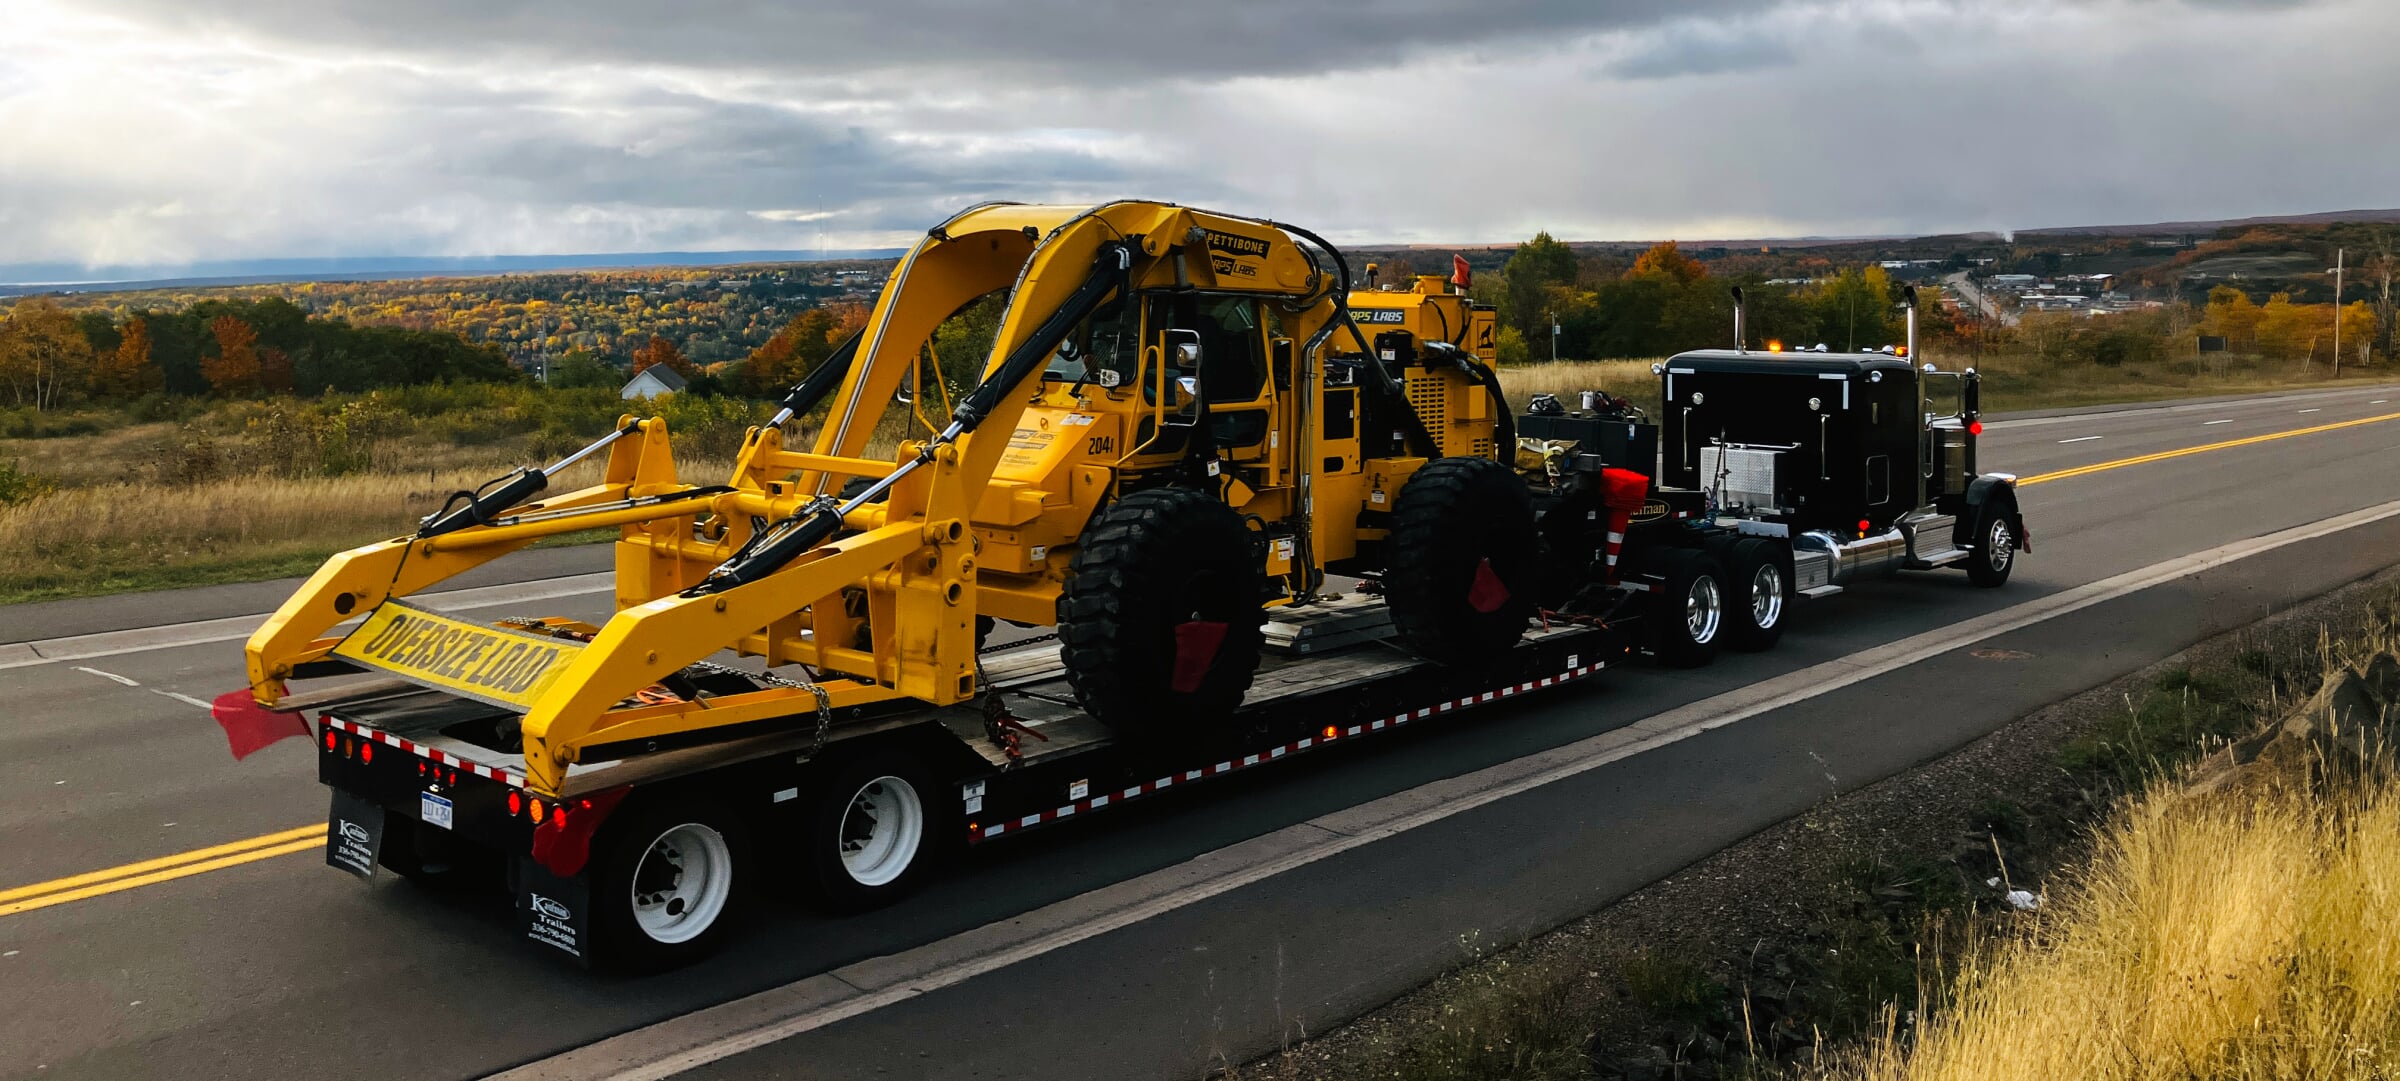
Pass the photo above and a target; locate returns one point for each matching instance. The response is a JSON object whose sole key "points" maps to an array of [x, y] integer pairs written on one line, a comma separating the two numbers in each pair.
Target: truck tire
{"points": [[665, 883], [1160, 622], [872, 834], [1687, 624], [1760, 596], [1465, 560], [1994, 553]]}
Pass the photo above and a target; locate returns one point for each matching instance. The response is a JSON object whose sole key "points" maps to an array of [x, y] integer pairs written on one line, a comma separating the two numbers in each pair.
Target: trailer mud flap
{"points": [[554, 911], [353, 834]]}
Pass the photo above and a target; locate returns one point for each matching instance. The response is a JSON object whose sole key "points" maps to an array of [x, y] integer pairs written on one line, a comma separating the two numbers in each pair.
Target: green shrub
{"points": [[18, 486]]}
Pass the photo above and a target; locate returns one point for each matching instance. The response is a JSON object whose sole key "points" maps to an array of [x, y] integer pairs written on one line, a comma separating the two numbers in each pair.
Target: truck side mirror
{"points": [[1183, 347]]}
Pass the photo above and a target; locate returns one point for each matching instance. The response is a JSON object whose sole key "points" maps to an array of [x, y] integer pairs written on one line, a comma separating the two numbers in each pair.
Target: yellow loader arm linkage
{"points": [[894, 566]]}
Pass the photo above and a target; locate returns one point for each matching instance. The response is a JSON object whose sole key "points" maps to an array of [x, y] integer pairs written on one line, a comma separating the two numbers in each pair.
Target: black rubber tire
{"points": [[1452, 518], [1673, 637], [619, 942], [1994, 532], [1150, 563], [827, 880], [1760, 597]]}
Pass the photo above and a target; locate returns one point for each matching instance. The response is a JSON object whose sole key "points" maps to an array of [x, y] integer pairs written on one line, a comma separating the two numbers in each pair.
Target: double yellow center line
{"points": [[203, 860], [2202, 449], [59, 891]]}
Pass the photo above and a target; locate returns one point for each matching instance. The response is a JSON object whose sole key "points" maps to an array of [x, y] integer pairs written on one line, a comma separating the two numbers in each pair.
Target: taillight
{"points": [[1974, 427], [537, 812], [329, 740], [366, 752], [516, 803]]}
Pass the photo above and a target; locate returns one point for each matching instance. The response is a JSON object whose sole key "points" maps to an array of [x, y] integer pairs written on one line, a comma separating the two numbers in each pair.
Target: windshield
{"points": [[1110, 339]]}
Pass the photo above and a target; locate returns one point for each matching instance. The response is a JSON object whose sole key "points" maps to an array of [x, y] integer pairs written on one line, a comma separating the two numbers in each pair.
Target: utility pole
{"points": [[2338, 255], [1554, 337]]}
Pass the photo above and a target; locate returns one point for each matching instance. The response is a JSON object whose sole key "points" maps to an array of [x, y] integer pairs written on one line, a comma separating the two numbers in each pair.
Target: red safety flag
{"points": [[249, 726], [1196, 645], [1459, 274]]}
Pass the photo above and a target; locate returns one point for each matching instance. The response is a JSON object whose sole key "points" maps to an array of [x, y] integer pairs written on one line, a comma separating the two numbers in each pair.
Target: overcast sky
{"points": [[168, 131]]}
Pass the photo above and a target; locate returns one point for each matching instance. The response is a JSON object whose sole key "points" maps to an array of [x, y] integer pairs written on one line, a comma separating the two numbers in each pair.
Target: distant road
{"points": [[1967, 293]]}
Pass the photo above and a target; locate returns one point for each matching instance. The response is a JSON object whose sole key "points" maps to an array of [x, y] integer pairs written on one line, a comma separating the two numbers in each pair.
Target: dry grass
{"points": [[2221, 938], [118, 537]]}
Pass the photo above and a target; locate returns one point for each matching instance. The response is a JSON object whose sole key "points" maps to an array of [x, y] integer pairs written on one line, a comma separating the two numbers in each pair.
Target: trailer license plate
{"points": [[435, 810]]}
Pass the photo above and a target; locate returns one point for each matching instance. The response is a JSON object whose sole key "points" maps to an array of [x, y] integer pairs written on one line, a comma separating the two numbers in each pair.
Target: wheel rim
{"points": [[2001, 548], [1703, 608], [680, 886], [1766, 596], [882, 830]]}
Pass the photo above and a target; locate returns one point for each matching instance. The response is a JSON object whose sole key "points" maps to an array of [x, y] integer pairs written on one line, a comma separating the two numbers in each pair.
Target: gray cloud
{"points": [[143, 131]]}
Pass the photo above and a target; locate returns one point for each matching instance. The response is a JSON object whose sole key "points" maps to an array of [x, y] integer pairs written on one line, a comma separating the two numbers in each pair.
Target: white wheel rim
{"points": [[881, 831], [1702, 608], [2003, 547], [1766, 596], [681, 884]]}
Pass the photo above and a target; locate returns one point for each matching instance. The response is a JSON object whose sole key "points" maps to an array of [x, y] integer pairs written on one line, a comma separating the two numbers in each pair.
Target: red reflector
{"points": [[516, 804], [366, 752], [1974, 427], [420, 767], [563, 844], [451, 779]]}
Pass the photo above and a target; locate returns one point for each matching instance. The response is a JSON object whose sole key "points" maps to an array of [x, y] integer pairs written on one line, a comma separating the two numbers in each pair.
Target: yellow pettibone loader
{"points": [[1186, 418]]}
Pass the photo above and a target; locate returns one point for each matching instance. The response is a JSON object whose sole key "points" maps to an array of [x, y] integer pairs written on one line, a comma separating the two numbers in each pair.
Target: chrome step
{"points": [[1820, 592]]}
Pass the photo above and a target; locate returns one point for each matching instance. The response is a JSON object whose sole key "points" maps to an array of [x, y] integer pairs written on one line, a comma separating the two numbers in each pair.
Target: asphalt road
{"points": [[280, 966]]}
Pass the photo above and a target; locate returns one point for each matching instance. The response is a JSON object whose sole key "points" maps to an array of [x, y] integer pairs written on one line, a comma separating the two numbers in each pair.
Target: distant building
{"points": [[655, 381]]}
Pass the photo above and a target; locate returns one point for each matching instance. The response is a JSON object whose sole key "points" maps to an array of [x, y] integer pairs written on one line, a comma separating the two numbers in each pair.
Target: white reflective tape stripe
{"points": [[1616, 538]]}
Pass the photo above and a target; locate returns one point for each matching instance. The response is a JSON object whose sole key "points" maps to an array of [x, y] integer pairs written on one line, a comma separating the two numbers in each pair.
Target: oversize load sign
{"points": [[505, 668]]}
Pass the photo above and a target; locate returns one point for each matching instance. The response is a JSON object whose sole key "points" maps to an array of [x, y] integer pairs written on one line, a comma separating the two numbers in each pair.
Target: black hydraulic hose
{"points": [[1111, 271], [820, 520], [1505, 446], [821, 380], [1420, 441]]}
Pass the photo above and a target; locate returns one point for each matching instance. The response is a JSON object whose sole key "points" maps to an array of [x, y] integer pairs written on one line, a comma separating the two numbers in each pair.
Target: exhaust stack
{"points": [[1741, 344]]}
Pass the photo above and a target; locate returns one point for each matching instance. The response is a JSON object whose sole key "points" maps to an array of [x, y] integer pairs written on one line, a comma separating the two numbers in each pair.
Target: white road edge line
{"points": [[109, 675], [236, 628], [695, 1039], [2206, 423], [2080, 439], [183, 698], [2312, 410]]}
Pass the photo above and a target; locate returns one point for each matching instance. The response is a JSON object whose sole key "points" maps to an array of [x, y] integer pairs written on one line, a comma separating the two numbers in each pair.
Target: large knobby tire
{"points": [[875, 829], [1993, 553], [1688, 619], [1465, 560], [666, 881], [1759, 596], [1160, 621]]}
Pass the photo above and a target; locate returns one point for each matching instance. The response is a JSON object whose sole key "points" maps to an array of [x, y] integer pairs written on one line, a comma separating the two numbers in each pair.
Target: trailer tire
{"points": [[1761, 596], [1994, 553], [1161, 622], [872, 834], [1688, 626], [1465, 560], [666, 883]]}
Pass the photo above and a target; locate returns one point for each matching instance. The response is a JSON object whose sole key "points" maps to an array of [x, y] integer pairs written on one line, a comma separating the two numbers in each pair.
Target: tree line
{"points": [[232, 348]]}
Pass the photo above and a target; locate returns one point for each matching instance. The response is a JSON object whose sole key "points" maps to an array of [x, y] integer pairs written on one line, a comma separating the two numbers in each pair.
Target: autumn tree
{"points": [[43, 353], [126, 371], [2233, 316], [1667, 262], [661, 351], [1539, 265], [233, 369], [800, 346]]}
